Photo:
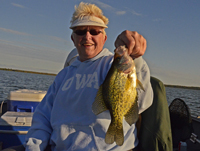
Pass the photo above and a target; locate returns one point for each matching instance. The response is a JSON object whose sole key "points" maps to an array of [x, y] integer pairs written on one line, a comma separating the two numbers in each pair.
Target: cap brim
{"points": [[88, 21]]}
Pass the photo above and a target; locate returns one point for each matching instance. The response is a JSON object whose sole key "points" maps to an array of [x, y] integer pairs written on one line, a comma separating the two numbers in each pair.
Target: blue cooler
{"points": [[24, 100], [14, 127]]}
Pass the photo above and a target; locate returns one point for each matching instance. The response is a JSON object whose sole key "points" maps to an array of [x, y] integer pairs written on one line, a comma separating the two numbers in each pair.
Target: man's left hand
{"points": [[135, 43]]}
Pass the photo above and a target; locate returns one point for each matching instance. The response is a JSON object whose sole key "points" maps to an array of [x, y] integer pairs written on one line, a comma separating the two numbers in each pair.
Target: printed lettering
{"points": [[90, 80], [93, 79], [81, 83], [67, 84]]}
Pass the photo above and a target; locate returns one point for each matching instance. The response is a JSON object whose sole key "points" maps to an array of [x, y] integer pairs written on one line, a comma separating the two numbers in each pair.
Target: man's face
{"points": [[88, 44]]}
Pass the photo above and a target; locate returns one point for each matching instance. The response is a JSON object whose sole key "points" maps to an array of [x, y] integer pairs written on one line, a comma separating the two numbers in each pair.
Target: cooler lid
{"points": [[27, 95], [16, 118]]}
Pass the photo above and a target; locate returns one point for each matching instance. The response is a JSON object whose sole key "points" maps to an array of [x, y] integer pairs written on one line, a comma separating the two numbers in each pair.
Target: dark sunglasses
{"points": [[91, 31]]}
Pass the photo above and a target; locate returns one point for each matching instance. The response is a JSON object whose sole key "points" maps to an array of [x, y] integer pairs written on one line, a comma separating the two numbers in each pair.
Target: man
{"points": [[64, 119]]}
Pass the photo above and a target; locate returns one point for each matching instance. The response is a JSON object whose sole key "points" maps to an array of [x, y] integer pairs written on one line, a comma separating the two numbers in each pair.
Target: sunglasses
{"points": [[93, 32]]}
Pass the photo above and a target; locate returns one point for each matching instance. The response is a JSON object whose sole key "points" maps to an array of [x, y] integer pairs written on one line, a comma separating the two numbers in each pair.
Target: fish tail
{"points": [[115, 134], [109, 139], [119, 136]]}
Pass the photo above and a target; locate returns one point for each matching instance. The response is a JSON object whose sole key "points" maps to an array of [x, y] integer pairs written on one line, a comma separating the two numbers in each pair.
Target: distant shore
{"points": [[183, 87], [34, 72]]}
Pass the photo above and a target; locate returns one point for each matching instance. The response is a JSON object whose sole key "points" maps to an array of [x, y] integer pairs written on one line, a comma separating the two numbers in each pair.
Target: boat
{"points": [[193, 143], [16, 116]]}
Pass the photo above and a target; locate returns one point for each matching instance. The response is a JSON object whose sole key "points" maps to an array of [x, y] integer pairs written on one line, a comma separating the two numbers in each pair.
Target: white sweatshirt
{"points": [[64, 119]]}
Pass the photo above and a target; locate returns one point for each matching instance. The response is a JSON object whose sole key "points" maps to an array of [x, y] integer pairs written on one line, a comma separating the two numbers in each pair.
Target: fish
{"points": [[118, 94]]}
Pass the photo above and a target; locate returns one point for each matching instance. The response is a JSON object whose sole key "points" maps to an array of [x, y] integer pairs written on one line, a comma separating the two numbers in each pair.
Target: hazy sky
{"points": [[35, 34]]}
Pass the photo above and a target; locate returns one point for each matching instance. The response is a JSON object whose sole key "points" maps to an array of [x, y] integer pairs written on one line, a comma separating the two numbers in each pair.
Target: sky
{"points": [[35, 34]]}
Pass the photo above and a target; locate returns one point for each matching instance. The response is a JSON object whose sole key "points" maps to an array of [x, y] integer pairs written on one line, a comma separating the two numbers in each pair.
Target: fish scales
{"points": [[118, 95]]}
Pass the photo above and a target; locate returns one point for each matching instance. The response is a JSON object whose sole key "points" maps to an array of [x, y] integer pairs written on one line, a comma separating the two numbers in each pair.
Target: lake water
{"points": [[10, 81]]}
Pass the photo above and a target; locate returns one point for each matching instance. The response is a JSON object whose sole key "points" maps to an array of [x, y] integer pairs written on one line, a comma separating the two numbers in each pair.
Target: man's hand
{"points": [[135, 43]]}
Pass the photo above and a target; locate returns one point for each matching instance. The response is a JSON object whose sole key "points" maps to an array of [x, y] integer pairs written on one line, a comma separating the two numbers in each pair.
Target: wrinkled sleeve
{"points": [[145, 98], [39, 134]]}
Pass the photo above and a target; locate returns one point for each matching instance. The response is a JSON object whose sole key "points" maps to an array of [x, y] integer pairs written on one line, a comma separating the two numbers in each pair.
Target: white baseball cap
{"points": [[88, 21]]}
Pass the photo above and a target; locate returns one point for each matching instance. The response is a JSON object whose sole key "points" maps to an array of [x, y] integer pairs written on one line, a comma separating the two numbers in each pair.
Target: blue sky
{"points": [[35, 34]]}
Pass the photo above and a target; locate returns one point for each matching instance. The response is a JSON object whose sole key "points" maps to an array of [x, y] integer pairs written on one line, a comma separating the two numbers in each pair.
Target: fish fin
{"points": [[98, 105], [132, 115], [119, 136], [110, 134], [140, 85], [115, 134]]}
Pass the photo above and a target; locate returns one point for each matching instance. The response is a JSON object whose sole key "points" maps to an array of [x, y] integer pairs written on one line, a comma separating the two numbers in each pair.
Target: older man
{"points": [[64, 119]]}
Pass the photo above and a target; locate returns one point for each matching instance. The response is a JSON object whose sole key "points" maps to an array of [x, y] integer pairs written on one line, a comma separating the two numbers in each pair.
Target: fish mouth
{"points": [[119, 52], [125, 62]]}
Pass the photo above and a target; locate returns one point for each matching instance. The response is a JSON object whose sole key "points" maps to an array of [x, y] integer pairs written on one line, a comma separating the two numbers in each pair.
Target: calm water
{"points": [[10, 81]]}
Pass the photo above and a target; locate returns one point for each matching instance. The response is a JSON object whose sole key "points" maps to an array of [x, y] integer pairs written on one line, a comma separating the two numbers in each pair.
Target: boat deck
{"points": [[196, 125]]}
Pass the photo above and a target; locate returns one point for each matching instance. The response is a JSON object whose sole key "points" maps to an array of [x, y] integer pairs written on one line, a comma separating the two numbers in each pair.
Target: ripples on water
{"points": [[10, 81], [189, 96]]}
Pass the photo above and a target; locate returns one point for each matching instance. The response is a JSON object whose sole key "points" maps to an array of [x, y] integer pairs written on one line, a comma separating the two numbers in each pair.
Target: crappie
{"points": [[118, 95]]}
